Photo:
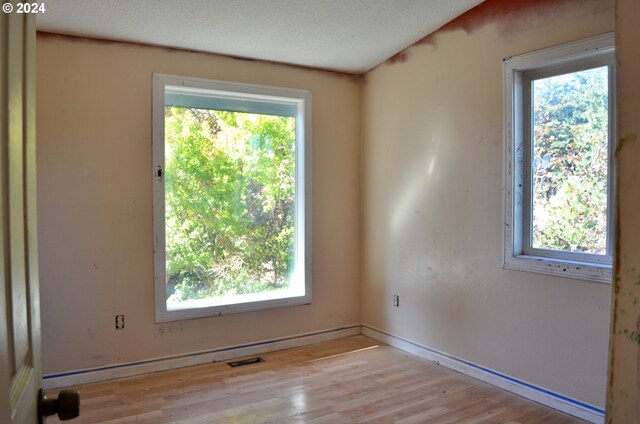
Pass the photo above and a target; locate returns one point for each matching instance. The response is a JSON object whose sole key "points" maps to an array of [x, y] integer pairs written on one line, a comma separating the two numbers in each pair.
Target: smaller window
{"points": [[559, 131]]}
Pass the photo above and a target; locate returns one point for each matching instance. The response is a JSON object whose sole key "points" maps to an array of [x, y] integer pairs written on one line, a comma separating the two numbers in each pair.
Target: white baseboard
{"points": [[537, 394], [73, 378]]}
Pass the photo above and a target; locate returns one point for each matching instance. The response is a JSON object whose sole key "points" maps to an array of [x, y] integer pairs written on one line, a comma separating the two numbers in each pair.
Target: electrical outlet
{"points": [[119, 322], [396, 300]]}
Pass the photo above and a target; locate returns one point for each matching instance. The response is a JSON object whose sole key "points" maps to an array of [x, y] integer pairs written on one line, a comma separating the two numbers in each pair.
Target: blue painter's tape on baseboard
{"points": [[492, 372]]}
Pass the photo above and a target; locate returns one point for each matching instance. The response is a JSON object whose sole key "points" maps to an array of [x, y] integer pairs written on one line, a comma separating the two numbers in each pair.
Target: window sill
{"points": [[199, 309], [597, 273]]}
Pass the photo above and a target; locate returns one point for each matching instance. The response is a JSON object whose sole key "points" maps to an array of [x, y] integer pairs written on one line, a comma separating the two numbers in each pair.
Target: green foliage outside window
{"points": [[229, 202], [570, 161]]}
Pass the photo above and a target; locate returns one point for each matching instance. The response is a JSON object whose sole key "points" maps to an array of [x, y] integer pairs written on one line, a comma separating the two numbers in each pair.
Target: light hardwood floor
{"points": [[351, 380]]}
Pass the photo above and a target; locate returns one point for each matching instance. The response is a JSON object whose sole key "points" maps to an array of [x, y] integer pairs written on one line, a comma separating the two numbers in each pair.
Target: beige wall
{"points": [[95, 204], [433, 207], [429, 220], [623, 403]]}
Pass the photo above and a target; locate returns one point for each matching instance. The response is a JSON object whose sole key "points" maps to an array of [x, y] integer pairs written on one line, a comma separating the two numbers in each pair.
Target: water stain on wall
{"points": [[515, 17], [401, 57], [623, 141], [101, 41], [511, 17]]}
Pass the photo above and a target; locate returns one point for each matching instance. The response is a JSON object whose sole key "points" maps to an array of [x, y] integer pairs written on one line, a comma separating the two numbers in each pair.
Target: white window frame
{"points": [[301, 100], [518, 71]]}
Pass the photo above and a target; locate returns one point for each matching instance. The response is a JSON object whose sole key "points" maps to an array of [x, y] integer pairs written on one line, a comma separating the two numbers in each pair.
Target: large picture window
{"points": [[560, 132], [231, 197]]}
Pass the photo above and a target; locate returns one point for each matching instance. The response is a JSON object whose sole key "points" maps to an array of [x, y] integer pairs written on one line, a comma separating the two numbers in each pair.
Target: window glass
{"points": [[230, 217], [569, 175], [229, 204]]}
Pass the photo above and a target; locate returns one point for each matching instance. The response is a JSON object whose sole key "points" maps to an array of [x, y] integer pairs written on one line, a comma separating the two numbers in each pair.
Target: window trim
{"points": [[597, 50], [302, 100]]}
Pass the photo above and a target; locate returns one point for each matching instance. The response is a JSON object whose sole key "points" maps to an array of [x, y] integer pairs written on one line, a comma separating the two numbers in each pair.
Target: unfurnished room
{"points": [[320, 211]]}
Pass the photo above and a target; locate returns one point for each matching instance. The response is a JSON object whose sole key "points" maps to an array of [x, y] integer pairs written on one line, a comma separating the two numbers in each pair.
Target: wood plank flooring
{"points": [[351, 380]]}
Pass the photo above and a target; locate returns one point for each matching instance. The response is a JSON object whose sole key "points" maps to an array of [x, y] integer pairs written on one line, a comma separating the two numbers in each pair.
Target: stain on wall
{"points": [[95, 203], [511, 18], [623, 396], [516, 17], [43, 35], [423, 120], [623, 141], [398, 58]]}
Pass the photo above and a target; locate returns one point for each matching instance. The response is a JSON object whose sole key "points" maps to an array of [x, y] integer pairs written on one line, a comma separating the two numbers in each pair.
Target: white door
{"points": [[20, 375]]}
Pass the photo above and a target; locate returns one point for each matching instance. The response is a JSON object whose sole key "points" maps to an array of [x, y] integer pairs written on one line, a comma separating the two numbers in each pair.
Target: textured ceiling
{"points": [[343, 35]]}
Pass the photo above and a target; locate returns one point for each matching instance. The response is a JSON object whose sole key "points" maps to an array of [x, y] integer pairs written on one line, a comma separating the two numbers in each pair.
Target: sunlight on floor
{"points": [[340, 354]]}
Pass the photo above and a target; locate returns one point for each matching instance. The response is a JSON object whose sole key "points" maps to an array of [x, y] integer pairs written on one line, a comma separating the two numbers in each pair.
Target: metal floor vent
{"points": [[245, 362]]}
